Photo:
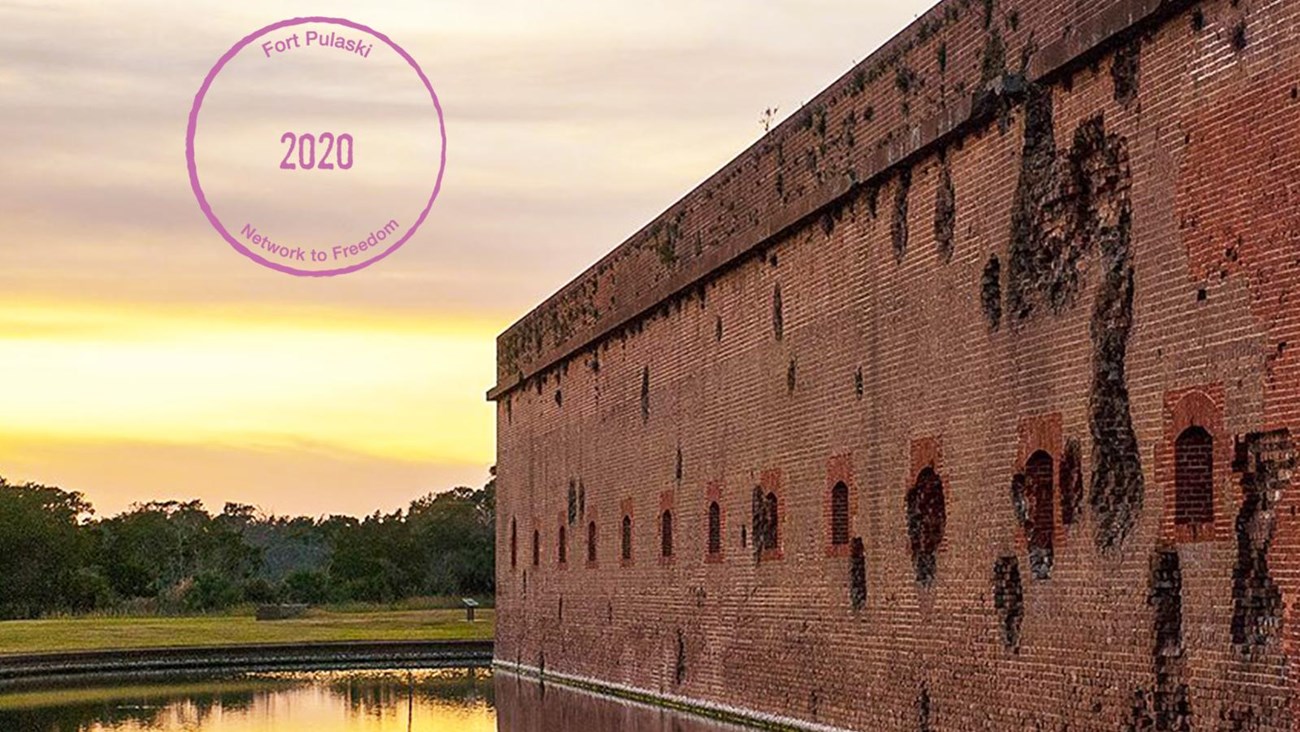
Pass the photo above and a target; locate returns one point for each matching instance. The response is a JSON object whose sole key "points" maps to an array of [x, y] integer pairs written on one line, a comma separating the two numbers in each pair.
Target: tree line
{"points": [[56, 556]]}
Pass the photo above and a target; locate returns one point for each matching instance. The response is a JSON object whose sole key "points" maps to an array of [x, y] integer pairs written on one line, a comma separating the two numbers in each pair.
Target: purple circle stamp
{"points": [[316, 146]]}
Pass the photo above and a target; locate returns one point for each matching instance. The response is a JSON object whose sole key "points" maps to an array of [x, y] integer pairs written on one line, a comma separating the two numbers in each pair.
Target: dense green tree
{"points": [[156, 546], [454, 534], [180, 558], [306, 585], [42, 549]]}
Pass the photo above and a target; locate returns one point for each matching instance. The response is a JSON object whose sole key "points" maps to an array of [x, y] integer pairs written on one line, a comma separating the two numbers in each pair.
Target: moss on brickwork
{"points": [[898, 225], [824, 138], [645, 393], [993, 60]]}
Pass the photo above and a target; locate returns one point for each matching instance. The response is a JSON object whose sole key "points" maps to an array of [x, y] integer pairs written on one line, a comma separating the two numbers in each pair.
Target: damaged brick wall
{"points": [[1101, 230], [1264, 462], [926, 519], [1166, 704], [1009, 599]]}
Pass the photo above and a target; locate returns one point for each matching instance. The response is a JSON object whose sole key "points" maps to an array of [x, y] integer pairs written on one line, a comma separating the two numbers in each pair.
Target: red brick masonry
{"points": [[1024, 281]]}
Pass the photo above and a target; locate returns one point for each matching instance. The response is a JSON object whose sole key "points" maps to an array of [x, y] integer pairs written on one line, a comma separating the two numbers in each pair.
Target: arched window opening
{"points": [[591, 542], [765, 534], [926, 518], [563, 545], [514, 544], [627, 538], [666, 534], [715, 528], [1039, 529], [537, 547], [1194, 479], [839, 514]]}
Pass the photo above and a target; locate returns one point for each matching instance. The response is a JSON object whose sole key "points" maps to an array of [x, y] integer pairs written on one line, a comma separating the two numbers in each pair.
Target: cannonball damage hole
{"points": [[778, 314], [645, 393], [1239, 37], [924, 710], [926, 518], [1124, 72], [1039, 528], [857, 574], [573, 501], [1009, 599], [1166, 706], [1166, 597], [945, 213], [1070, 482], [1264, 460], [991, 292]]}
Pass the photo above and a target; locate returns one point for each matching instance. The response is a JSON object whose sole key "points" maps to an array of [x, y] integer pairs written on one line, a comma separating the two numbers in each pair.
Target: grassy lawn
{"points": [[104, 633]]}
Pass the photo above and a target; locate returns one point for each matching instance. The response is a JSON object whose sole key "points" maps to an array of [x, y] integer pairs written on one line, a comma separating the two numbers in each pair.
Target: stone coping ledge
{"points": [[1115, 21]]}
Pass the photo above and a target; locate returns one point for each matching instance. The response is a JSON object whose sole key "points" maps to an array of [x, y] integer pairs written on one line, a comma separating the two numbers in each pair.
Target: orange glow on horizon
{"points": [[356, 383]]}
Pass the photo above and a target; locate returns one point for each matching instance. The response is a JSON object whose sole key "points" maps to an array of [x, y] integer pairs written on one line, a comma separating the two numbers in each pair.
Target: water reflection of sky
{"points": [[449, 700], [369, 701]]}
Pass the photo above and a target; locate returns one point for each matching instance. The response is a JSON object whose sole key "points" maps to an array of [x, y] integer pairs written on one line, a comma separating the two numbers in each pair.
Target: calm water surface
{"points": [[457, 700]]}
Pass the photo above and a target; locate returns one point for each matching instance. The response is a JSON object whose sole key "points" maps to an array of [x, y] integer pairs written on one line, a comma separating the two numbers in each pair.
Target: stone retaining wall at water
{"points": [[423, 654]]}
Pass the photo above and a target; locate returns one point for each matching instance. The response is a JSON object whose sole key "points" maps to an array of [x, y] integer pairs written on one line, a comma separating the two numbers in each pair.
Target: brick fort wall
{"points": [[962, 400]]}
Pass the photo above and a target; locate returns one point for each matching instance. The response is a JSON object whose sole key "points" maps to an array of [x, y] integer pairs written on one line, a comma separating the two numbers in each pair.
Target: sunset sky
{"points": [[142, 358]]}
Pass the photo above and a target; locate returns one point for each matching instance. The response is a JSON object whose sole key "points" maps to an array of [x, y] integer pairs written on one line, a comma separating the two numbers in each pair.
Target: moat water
{"points": [[445, 700]]}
